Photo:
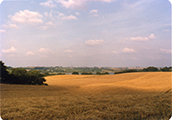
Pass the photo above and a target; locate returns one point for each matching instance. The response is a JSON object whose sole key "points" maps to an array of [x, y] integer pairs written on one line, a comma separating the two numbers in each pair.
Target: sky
{"points": [[80, 33]]}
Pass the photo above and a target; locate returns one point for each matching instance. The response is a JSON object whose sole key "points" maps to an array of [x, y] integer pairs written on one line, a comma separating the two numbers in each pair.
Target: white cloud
{"points": [[70, 17], [49, 3], [50, 15], [94, 11], [166, 50], [152, 36], [60, 14], [72, 3], [30, 53], [68, 51], [44, 50], [27, 16], [105, 0], [10, 26], [1, 1], [64, 17], [75, 4], [10, 50], [138, 38], [128, 50], [2, 31], [77, 13], [94, 42]]}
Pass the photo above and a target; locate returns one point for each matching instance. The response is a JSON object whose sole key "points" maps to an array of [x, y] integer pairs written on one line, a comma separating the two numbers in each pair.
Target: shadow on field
{"points": [[12, 91]]}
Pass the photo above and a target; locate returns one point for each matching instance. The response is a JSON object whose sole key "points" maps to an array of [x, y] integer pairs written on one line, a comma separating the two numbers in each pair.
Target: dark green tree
{"points": [[35, 73], [19, 71], [166, 69], [75, 73], [106, 73], [3, 72], [86, 73], [151, 68], [98, 73], [20, 76]]}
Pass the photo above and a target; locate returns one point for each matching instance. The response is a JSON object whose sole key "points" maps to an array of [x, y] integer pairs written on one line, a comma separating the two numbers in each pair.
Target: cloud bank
{"points": [[44, 50], [78, 4], [49, 3], [2, 31], [139, 38], [30, 53], [128, 50], [10, 50], [27, 16], [94, 42]]}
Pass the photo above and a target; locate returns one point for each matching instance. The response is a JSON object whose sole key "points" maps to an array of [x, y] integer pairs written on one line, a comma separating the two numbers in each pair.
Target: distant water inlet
{"points": [[81, 73]]}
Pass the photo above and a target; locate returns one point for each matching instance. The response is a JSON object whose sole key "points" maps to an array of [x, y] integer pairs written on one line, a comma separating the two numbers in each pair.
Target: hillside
{"points": [[122, 83]]}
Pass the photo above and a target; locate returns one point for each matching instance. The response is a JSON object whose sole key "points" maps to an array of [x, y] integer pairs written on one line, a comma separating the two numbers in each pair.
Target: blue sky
{"points": [[103, 33]]}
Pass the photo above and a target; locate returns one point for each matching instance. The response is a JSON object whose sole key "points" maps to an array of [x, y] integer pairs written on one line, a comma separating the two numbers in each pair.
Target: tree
{"points": [[34, 73], [151, 68], [106, 73], [98, 73], [60, 73], [3, 72], [20, 76], [166, 69], [19, 71], [86, 73], [75, 73]]}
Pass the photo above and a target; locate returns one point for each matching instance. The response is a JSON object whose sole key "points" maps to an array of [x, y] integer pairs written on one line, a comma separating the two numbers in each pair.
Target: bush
{"points": [[75, 73], [106, 73], [98, 73], [60, 73], [127, 71], [86, 73]]}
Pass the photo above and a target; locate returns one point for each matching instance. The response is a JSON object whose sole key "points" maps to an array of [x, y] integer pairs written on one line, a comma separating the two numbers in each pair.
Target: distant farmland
{"points": [[142, 95]]}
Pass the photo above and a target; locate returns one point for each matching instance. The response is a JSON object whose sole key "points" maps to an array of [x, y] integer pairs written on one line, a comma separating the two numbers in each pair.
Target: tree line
{"points": [[34, 77], [148, 69], [20, 76]]}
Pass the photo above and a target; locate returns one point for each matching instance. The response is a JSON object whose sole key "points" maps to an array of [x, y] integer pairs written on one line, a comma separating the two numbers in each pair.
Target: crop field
{"points": [[129, 96]]}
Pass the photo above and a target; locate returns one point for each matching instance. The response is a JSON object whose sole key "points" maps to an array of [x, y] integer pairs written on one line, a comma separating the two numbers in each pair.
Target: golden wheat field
{"points": [[129, 96]]}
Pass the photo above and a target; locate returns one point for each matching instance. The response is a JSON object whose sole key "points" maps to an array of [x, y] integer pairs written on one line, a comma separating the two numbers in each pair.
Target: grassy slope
{"points": [[123, 96]]}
